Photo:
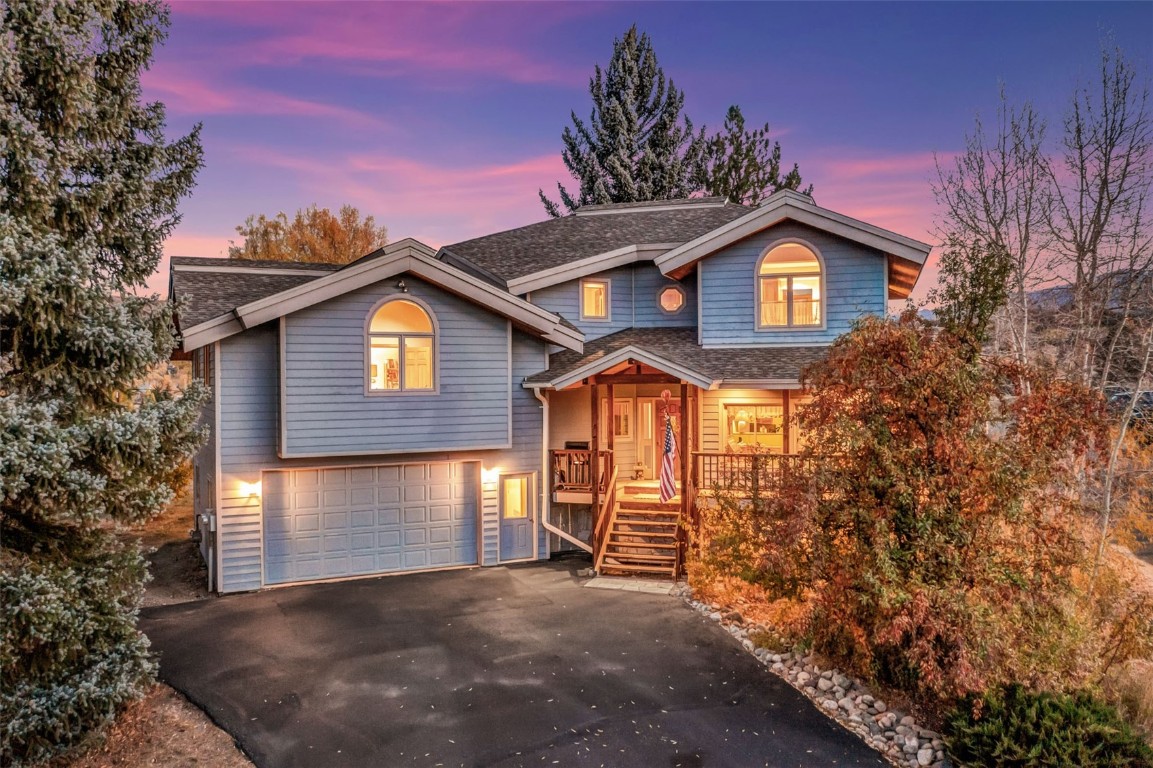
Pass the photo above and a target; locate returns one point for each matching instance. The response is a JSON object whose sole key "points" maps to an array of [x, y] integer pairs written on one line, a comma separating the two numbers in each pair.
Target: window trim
{"points": [[725, 405], [366, 362], [757, 277], [608, 284], [679, 289]]}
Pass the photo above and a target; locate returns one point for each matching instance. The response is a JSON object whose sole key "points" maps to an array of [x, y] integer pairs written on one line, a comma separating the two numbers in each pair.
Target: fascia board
{"points": [[620, 356], [759, 384], [209, 331], [403, 260], [619, 257], [445, 256], [336, 284], [516, 309], [783, 208]]}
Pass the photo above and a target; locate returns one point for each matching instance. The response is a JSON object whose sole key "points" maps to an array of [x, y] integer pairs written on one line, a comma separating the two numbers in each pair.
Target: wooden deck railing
{"points": [[573, 470], [604, 522], [752, 473]]}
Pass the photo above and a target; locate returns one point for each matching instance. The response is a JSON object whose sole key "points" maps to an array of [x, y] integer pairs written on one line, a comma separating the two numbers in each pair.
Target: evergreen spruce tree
{"points": [[636, 145], [88, 191], [745, 166]]}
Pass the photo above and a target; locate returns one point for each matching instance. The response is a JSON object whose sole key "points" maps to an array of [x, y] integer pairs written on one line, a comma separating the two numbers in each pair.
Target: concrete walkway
{"points": [[515, 666]]}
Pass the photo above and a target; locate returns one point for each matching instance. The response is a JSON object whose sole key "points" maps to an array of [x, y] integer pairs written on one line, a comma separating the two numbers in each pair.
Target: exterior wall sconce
{"points": [[250, 489], [488, 476], [400, 285]]}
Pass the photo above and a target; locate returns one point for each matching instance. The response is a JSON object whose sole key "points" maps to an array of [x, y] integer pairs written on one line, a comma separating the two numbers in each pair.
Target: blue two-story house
{"points": [[512, 395]]}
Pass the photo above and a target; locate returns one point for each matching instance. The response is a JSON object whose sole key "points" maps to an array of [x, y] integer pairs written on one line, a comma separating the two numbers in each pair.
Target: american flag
{"points": [[668, 463]]}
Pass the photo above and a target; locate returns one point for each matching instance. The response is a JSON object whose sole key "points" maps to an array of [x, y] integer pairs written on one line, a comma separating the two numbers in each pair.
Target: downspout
{"points": [[546, 471]]}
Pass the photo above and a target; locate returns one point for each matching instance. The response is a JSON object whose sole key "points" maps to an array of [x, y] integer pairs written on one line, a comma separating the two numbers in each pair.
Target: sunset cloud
{"points": [[198, 94], [435, 203], [413, 39]]}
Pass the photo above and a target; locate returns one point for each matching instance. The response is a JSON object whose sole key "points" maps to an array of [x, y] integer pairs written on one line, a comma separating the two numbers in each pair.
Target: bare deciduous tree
{"points": [[1073, 219], [993, 196]]}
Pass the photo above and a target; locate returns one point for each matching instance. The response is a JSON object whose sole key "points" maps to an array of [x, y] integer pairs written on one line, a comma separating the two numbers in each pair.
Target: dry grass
{"points": [[1131, 688], [162, 729]]}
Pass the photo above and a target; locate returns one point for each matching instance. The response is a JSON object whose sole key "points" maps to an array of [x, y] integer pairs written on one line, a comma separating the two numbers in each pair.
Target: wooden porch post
{"points": [[612, 426], [595, 451], [684, 450], [788, 446]]}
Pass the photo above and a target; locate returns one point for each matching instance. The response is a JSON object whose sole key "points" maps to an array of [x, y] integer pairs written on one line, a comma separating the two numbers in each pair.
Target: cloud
{"points": [[892, 191], [204, 94], [435, 203], [413, 39]]}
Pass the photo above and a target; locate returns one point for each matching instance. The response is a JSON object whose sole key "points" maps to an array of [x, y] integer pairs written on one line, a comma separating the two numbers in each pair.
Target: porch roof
{"points": [[676, 351]]}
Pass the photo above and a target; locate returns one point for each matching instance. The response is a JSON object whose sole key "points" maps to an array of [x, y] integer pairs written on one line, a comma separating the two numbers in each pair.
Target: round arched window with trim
{"points": [[402, 348], [789, 288]]}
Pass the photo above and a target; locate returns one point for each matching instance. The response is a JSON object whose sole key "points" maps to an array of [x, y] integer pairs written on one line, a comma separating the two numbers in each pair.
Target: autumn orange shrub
{"points": [[934, 531]]}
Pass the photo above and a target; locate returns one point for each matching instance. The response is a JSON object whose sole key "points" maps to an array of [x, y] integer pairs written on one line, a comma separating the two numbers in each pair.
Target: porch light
{"points": [[489, 475], [250, 489]]}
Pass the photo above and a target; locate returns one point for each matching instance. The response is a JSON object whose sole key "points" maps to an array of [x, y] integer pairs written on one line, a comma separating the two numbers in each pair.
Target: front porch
{"points": [[611, 410], [604, 490]]}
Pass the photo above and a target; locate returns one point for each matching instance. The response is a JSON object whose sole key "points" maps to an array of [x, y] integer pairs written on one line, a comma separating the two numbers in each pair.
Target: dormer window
{"points": [[402, 348], [595, 297], [789, 288]]}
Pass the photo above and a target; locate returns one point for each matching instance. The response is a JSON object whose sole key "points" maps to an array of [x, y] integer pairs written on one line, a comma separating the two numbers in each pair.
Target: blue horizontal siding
{"points": [[634, 290], [248, 432], [854, 285], [328, 412]]}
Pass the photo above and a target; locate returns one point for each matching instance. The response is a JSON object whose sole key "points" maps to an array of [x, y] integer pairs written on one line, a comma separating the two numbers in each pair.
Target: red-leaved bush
{"points": [[933, 528]]}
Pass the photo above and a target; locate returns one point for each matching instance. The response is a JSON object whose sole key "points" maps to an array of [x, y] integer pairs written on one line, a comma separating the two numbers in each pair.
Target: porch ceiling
{"points": [[675, 351]]}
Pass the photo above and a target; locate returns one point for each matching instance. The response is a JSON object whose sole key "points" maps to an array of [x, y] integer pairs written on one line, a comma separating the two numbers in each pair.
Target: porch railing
{"points": [[751, 473], [573, 470], [606, 515]]}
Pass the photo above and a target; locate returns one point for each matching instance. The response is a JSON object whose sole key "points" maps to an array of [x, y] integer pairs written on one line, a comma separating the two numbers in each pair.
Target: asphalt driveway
{"points": [[515, 666]]}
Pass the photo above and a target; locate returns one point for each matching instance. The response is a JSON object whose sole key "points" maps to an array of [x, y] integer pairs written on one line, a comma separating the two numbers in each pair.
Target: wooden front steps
{"points": [[643, 537]]}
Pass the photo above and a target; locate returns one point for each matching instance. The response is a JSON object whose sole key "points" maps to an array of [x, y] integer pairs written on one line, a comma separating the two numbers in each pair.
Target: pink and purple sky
{"points": [[443, 120]]}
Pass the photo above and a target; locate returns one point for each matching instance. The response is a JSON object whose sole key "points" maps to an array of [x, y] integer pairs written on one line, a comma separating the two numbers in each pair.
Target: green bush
{"points": [[1012, 726]]}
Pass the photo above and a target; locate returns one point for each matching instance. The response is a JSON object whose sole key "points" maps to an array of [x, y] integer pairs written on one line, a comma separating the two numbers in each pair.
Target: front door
{"points": [[517, 520]]}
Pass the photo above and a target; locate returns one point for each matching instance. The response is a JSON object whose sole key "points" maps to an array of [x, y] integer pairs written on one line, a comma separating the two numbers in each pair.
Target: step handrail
{"points": [[606, 516]]}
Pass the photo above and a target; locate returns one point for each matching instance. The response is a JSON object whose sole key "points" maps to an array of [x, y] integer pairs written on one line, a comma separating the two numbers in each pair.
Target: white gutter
{"points": [[546, 481]]}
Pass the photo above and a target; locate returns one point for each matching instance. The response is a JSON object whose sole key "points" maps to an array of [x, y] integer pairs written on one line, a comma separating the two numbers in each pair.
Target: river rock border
{"points": [[892, 733]]}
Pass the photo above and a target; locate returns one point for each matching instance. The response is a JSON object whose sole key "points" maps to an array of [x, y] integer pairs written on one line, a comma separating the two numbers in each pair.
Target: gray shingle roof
{"points": [[679, 346], [594, 229], [209, 294]]}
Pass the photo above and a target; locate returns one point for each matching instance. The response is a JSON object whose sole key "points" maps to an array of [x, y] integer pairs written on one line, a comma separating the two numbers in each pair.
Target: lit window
{"points": [[671, 299], [594, 300], [514, 497], [401, 348], [754, 427], [789, 288], [622, 418]]}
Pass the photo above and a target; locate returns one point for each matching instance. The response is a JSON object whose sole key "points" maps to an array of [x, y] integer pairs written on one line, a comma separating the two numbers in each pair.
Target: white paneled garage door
{"points": [[328, 523]]}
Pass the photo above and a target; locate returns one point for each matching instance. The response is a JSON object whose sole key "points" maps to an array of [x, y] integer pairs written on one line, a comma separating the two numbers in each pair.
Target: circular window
{"points": [[671, 299]]}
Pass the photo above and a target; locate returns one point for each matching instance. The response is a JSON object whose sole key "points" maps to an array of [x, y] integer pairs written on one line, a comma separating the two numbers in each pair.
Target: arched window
{"points": [[402, 348], [789, 288]]}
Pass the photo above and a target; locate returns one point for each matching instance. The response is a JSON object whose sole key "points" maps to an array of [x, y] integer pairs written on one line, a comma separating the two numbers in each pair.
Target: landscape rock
{"points": [[892, 733]]}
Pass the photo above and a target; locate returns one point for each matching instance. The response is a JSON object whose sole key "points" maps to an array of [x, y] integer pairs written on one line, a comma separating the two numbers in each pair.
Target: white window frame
{"points": [[608, 286], [758, 293], [369, 335]]}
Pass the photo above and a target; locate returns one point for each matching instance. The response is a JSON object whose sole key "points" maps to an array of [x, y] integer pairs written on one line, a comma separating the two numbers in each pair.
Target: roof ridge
{"points": [[715, 201], [226, 262]]}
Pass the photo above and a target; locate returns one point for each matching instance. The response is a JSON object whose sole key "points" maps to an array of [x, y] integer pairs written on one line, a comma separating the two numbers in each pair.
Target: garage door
{"points": [[327, 523]]}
